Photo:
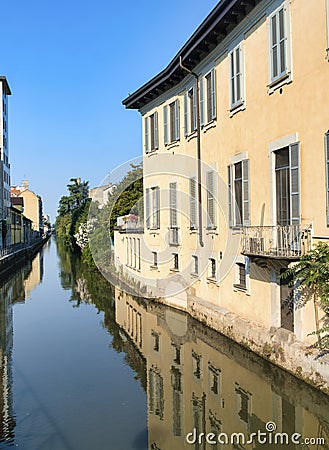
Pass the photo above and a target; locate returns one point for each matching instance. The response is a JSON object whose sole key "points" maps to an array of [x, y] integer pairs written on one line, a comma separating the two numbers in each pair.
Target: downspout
{"points": [[198, 127]]}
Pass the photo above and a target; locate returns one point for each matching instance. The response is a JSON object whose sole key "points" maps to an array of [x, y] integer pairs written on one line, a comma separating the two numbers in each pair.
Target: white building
{"points": [[4, 161]]}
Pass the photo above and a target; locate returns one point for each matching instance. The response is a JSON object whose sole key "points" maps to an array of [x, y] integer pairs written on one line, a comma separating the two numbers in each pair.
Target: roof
{"points": [[5, 84], [226, 15]]}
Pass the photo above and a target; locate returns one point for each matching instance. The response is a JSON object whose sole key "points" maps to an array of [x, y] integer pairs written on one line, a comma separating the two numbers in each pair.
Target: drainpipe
{"points": [[198, 127]]}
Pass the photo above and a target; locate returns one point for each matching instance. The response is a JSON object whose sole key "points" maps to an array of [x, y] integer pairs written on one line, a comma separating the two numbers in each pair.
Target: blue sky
{"points": [[69, 65]]}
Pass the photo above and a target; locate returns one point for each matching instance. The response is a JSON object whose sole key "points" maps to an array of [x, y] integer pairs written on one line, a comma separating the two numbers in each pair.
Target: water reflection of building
{"points": [[35, 276], [199, 379]]}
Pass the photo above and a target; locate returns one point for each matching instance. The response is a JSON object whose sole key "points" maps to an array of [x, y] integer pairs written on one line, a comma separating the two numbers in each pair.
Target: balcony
{"points": [[130, 224], [280, 242]]}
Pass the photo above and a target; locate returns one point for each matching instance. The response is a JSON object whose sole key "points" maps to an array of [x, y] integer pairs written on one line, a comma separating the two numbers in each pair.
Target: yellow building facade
{"points": [[236, 160]]}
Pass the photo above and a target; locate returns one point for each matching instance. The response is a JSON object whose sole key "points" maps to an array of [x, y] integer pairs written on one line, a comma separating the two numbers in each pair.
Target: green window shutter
{"points": [[186, 104], [146, 135], [147, 208], [156, 135], [230, 195], [245, 193], [201, 83], [294, 184], [165, 124], [176, 120], [173, 204], [213, 94], [193, 204]]}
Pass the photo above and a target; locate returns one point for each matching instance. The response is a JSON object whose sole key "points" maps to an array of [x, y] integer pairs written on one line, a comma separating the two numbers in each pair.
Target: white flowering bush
{"points": [[82, 236]]}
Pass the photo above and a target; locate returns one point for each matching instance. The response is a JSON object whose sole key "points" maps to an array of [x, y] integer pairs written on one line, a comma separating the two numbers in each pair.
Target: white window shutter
{"points": [[245, 193], [274, 47], [232, 78], [194, 110], [201, 86], [213, 94], [326, 144], [173, 204], [156, 135], [186, 104], [146, 134], [193, 204], [147, 208], [230, 195], [294, 184], [176, 120], [156, 206], [210, 199], [165, 124]]}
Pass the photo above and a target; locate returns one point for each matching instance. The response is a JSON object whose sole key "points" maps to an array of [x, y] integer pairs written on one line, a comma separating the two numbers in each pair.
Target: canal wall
{"points": [[16, 258], [276, 345]]}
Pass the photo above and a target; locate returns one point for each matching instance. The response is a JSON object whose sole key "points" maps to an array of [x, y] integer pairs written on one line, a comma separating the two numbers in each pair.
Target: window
{"points": [[195, 265], [214, 379], [241, 276], [327, 172], [176, 264], [151, 133], [152, 206], [156, 341], [171, 123], [212, 274], [238, 185], [211, 205], [190, 118], [177, 352], [155, 259], [196, 365], [173, 204], [243, 400], [193, 204], [208, 98], [156, 393], [278, 45], [236, 77], [287, 185]]}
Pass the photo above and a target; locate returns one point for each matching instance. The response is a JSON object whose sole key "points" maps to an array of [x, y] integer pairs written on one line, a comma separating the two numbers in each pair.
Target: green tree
{"points": [[310, 278]]}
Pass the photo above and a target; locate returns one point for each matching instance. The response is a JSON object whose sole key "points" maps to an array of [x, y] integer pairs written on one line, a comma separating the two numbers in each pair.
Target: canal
{"points": [[84, 366]]}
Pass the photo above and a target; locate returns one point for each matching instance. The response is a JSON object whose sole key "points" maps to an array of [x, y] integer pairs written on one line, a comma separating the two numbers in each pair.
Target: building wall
{"points": [[270, 117], [32, 208]]}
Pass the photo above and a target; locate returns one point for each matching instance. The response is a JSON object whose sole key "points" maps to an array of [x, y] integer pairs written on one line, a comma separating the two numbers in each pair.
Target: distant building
{"points": [[32, 205], [4, 162], [20, 226], [101, 194]]}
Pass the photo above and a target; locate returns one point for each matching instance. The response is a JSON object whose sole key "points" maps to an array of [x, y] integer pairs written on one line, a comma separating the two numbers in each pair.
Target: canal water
{"points": [[84, 366]]}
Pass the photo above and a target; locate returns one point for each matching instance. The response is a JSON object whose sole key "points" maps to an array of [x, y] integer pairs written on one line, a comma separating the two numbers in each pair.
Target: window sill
{"points": [[192, 135], [212, 230], [154, 268], [193, 230], [211, 280], [209, 125], [154, 230], [240, 287], [236, 229], [174, 270], [172, 144], [279, 82], [195, 275], [240, 106], [152, 152]]}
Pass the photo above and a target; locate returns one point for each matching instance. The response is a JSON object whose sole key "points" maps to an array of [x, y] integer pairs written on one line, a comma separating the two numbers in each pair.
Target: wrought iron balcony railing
{"points": [[289, 242]]}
